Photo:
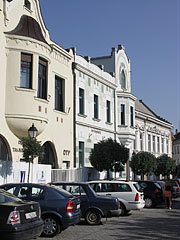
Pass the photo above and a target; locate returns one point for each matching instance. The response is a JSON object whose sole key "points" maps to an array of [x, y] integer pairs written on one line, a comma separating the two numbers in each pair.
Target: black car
{"points": [[19, 219], [153, 194], [59, 208], [93, 207]]}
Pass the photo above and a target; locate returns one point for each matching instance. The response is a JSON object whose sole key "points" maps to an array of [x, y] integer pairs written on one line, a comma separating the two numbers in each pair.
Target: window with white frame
{"points": [[167, 145], [154, 144], [141, 141], [26, 71], [96, 106], [158, 144], [122, 114], [81, 101], [162, 145], [108, 111], [149, 142]]}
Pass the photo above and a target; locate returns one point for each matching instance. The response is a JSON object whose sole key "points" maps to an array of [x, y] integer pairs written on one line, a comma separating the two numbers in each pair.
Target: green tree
{"points": [[143, 163], [109, 155], [31, 149], [165, 166]]}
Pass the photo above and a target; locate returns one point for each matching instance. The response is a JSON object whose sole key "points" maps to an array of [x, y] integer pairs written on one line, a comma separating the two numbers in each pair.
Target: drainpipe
{"points": [[74, 106], [115, 133]]}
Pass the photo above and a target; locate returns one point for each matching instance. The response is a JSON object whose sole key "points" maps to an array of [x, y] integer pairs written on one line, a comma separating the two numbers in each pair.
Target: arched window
{"points": [[123, 79], [48, 156], [4, 152]]}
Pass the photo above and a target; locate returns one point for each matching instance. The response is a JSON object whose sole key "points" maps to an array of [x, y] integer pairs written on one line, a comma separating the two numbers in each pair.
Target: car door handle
{"points": [[108, 194]]}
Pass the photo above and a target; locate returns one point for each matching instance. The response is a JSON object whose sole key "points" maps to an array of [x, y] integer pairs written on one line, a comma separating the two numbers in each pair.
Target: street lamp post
{"points": [[32, 131]]}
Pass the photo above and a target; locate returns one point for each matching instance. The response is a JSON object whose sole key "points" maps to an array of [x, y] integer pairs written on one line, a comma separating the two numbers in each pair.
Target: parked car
{"points": [[93, 207], [129, 194], [59, 208], [19, 219], [153, 194]]}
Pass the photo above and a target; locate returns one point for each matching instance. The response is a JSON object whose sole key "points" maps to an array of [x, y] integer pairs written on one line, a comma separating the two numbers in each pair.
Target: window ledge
{"points": [[123, 126], [25, 89], [97, 120], [59, 112], [41, 100], [108, 123], [82, 115]]}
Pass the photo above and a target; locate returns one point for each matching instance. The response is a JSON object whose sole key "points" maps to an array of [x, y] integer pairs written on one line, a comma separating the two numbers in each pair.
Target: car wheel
{"points": [[123, 210], [51, 226], [93, 217], [148, 202]]}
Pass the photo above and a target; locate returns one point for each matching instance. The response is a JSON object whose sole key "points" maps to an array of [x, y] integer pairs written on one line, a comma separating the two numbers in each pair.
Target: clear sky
{"points": [[149, 31]]}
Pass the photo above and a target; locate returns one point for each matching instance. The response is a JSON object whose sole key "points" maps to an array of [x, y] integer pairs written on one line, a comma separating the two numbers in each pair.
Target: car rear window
{"points": [[61, 191], [8, 197], [157, 185], [138, 187]]}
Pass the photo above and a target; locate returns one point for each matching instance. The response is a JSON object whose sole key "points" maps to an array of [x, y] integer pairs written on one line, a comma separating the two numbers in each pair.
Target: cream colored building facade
{"points": [[36, 85]]}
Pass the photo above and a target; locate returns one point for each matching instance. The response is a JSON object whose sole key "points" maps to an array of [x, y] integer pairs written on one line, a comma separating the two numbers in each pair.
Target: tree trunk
{"points": [[29, 170]]}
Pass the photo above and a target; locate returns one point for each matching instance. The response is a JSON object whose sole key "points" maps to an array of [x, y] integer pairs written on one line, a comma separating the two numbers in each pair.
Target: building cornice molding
{"points": [[95, 76], [94, 127], [149, 118], [44, 48]]}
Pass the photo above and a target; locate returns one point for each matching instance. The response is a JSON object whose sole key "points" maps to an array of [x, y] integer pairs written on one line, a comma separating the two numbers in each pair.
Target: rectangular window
{"points": [[149, 142], [122, 114], [42, 79], [81, 101], [162, 145], [141, 141], [153, 143], [108, 111], [132, 116], [177, 149], [59, 94], [167, 145], [81, 154], [96, 107], [26, 70], [27, 4], [158, 145]]}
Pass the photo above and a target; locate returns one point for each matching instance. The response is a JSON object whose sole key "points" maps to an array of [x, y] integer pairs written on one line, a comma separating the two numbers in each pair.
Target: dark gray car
{"points": [[59, 208], [93, 207]]}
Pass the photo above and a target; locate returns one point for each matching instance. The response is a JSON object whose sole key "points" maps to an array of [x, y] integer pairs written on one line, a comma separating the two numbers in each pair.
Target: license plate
{"points": [[30, 215], [78, 206]]}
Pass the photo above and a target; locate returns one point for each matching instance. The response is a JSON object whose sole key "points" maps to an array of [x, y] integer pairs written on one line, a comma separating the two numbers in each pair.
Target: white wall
{"points": [[18, 172]]}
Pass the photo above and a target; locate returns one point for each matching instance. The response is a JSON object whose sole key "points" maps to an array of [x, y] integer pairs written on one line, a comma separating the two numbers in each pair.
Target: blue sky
{"points": [[149, 31]]}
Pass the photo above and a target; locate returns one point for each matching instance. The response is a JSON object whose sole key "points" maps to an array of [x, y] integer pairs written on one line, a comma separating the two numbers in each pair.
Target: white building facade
{"points": [[105, 107], [36, 86], [106, 80], [153, 133]]}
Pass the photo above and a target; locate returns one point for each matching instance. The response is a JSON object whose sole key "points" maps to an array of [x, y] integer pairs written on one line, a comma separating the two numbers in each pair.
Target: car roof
{"points": [[69, 183], [111, 181], [26, 184]]}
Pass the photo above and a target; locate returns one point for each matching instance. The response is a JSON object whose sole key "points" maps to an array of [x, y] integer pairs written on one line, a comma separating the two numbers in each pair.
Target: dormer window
{"points": [[27, 4], [123, 80]]}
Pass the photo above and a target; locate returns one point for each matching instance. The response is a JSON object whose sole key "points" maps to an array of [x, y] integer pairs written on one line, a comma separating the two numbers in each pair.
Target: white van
{"points": [[129, 193]]}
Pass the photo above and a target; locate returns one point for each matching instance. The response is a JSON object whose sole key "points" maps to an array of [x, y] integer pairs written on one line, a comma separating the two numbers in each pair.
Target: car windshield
{"points": [[8, 197], [138, 187]]}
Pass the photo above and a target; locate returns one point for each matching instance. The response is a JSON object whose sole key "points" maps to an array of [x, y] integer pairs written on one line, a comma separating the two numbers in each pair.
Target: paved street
{"points": [[157, 223]]}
